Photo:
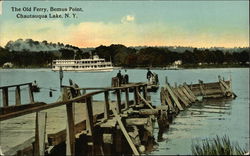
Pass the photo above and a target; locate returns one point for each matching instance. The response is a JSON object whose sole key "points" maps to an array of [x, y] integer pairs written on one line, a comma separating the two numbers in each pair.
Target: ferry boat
{"points": [[95, 64]]}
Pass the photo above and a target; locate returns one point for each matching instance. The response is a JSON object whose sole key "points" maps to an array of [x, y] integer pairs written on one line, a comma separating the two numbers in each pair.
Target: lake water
{"points": [[200, 121]]}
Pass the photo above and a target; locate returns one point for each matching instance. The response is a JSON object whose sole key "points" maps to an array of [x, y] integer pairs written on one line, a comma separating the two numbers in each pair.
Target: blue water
{"points": [[202, 120]]}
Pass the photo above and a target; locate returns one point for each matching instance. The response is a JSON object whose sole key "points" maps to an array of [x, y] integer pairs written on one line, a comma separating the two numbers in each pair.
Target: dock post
{"points": [[5, 97], [118, 103], [201, 88], [31, 93], [18, 96], [70, 139], [90, 123], [166, 80], [127, 98], [106, 106], [144, 90], [135, 95], [61, 77], [40, 133]]}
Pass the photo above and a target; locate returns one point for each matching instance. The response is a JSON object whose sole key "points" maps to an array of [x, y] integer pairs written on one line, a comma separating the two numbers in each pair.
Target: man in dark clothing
{"points": [[119, 75], [149, 74], [126, 78]]}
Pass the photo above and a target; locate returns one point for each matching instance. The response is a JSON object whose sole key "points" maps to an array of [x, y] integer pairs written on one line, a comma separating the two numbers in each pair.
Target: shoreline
{"points": [[153, 68]]}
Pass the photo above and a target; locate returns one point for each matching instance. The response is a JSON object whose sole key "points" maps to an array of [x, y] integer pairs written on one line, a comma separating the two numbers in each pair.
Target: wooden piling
{"points": [[31, 93], [70, 139], [125, 133], [89, 115], [136, 99], [18, 96], [40, 134], [106, 106], [126, 98], [5, 97], [144, 90], [118, 103]]}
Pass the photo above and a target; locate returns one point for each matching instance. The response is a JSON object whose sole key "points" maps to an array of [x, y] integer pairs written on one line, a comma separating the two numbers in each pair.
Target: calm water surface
{"points": [[202, 120]]}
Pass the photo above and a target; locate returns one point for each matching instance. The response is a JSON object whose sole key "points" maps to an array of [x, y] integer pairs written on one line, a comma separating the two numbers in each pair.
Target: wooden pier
{"points": [[121, 126]]}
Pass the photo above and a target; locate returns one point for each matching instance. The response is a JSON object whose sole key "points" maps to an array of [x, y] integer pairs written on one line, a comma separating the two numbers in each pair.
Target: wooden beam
{"points": [[168, 100], [13, 109], [145, 101], [31, 93], [144, 90], [136, 121], [118, 103], [173, 96], [183, 96], [189, 91], [89, 116], [125, 133], [136, 99], [179, 96], [106, 105], [5, 97], [18, 96], [192, 99], [180, 91], [70, 139], [126, 98], [40, 134]]}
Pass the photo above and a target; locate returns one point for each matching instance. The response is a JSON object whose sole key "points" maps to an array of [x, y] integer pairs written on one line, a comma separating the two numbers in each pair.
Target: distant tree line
{"points": [[124, 56]]}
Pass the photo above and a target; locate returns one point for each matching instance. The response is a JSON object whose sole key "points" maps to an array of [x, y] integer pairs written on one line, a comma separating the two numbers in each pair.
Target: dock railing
{"points": [[5, 93], [40, 128]]}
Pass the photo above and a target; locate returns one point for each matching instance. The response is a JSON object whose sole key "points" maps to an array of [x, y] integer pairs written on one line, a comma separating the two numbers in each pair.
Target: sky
{"points": [[131, 23]]}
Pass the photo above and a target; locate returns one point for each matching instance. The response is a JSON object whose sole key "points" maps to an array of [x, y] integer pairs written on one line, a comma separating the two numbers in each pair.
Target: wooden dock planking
{"points": [[174, 97], [170, 96], [192, 99], [182, 100], [125, 133]]}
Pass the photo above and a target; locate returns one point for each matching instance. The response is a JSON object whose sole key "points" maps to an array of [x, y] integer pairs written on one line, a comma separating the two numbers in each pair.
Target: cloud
{"points": [[128, 19], [1, 7], [92, 34]]}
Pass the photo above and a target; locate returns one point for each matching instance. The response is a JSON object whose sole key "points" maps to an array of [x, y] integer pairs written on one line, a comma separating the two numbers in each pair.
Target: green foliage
{"points": [[217, 146], [124, 56]]}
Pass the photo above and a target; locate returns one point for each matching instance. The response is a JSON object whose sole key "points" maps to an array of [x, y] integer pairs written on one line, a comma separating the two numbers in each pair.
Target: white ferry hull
{"points": [[83, 65], [85, 70]]}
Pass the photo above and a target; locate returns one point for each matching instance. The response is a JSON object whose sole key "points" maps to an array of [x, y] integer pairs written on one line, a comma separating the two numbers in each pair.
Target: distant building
{"points": [[8, 65], [178, 62]]}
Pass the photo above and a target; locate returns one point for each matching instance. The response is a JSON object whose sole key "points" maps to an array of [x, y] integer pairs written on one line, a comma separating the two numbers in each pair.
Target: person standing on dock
{"points": [[149, 75], [126, 78], [119, 76]]}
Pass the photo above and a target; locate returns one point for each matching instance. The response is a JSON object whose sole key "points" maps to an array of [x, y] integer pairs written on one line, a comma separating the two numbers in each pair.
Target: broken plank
{"points": [[174, 97], [125, 133]]}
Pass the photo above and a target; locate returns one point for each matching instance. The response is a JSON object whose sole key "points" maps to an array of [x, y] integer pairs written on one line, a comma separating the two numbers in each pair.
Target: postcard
{"points": [[124, 77]]}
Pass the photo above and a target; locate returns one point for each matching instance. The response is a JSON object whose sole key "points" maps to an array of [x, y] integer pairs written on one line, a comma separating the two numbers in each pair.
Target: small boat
{"points": [[95, 64]]}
